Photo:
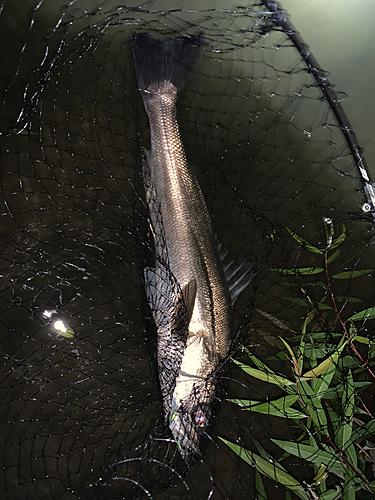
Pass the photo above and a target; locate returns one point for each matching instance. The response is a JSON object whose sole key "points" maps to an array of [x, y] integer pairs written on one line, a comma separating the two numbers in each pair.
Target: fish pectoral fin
{"points": [[238, 271], [183, 311], [189, 293]]}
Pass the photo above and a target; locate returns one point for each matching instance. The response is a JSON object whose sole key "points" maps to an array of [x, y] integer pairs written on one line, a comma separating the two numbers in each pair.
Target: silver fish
{"points": [[194, 283]]}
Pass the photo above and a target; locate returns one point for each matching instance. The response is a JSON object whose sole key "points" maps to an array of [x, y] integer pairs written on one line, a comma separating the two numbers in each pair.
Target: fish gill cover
{"points": [[81, 408]]}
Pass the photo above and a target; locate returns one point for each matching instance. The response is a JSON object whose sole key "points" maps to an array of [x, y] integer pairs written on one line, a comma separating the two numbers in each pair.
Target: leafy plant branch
{"points": [[330, 433]]}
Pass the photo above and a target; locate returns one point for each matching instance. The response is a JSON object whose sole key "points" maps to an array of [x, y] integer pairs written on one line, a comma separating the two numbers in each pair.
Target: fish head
{"points": [[190, 418]]}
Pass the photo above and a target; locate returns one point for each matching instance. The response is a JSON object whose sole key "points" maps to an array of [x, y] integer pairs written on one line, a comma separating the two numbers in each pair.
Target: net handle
{"points": [[279, 17]]}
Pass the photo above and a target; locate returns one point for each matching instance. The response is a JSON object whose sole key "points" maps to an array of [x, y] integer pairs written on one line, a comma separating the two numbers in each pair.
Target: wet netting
{"points": [[286, 188]]}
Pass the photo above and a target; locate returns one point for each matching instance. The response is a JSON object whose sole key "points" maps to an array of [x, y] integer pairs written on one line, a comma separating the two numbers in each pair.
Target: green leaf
{"points": [[271, 378], [281, 404], [257, 362], [319, 350], [268, 469], [363, 315], [301, 349], [306, 303], [339, 240], [320, 476], [261, 492], [338, 390], [322, 384], [364, 432], [296, 300], [351, 456], [313, 454], [324, 365], [347, 405], [314, 407], [322, 336], [321, 305], [351, 274], [363, 340], [359, 386], [335, 419], [277, 408], [264, 454], [300, 270], [331, 494], [350, 300], [313, 363], [350, 485], [291, 353], [333, 257], [280, 355], [68, 333], [348, 362], [303, 242]]}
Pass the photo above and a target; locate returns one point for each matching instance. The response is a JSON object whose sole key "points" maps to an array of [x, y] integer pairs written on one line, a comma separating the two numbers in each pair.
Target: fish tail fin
{"points": [[157, 62]]}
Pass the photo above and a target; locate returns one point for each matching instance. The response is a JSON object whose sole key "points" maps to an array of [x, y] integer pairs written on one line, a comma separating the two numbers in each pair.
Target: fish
{"points": [[193, 285]]}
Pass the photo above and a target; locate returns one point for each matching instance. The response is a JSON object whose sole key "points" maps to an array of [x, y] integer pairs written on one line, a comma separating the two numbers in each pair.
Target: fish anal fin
{"points": [[189, 293], [238, 271]]}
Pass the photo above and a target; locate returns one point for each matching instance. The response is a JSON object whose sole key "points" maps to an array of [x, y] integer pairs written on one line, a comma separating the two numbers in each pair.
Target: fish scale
{"points": [[187, 290]]}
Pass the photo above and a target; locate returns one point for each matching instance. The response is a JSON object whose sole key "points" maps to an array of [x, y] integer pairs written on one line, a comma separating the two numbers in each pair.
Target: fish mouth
{"points": [[186, 435]]}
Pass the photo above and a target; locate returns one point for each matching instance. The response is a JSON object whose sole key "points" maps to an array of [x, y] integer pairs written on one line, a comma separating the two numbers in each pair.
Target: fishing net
{"points": [[286, 187]]}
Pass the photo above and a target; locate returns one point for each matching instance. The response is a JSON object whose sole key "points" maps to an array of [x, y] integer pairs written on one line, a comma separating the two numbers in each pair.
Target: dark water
{"points": [[81, 417]]}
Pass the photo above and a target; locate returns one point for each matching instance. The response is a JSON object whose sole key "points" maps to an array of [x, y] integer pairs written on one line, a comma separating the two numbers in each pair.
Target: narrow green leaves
{"points": [[303, 242], [320, 476], [363, 315], [261, 492], [278, 408], [335, 494], [337, 242], [269, 469], [333, 257], [364, 432], [67, 333], [306, 303], [300, 270], [321, 399], [301, 349], [347, 404], [313, 454], [322, 367], [351, 274], [269, 377], [313, 406]]}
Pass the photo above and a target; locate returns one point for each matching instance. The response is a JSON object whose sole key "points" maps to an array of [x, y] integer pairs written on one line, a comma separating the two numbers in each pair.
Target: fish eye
{"points": [[200, 419]]}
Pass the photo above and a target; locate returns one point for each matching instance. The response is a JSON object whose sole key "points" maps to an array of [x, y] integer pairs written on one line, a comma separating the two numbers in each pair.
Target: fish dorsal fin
{"points": [[238, 271], [183, 310], [189, 293]]}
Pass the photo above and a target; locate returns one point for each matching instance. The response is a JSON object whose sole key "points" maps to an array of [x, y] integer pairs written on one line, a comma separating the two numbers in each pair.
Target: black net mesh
{"points": [[81, 409]]}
